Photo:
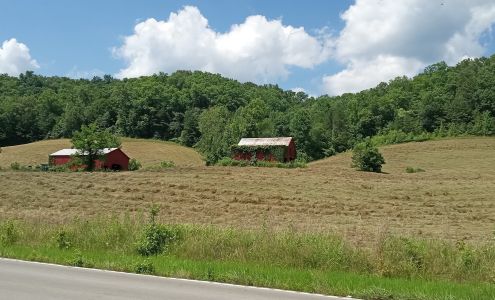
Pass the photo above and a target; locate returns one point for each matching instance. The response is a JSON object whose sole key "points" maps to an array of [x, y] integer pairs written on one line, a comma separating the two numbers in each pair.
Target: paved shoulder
{"points": [[28, 280]]}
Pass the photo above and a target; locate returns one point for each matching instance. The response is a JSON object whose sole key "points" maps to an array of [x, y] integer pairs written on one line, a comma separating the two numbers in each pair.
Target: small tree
{"points": [[134, 164], [90, 141], [365, 157]]}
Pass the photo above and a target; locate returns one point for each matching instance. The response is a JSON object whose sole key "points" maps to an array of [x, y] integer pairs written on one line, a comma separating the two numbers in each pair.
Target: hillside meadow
{"points": [[422, 229], [451, 200], [148, 152]]}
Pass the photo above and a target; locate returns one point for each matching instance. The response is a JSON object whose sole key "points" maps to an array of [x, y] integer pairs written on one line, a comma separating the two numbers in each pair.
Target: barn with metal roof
{"points": [[281, 149], [112, 158]]}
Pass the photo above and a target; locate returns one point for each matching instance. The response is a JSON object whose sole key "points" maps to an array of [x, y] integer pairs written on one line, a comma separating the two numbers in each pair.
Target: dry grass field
{"points": [[148, 152], [453, 199]]}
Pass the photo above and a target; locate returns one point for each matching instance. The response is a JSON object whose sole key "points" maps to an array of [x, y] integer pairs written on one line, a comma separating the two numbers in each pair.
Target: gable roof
{"points": [[275, 141], [69, 152]]}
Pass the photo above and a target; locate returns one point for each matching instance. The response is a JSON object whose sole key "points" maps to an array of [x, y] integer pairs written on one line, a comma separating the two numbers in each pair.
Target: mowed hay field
{"points": [[148, 152], [453, 199]]}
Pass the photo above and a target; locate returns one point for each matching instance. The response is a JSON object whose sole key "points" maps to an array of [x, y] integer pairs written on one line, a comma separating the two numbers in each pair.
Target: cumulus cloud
{"points": [[298, 90], [258, 49], [77, 73], [383, 39], [15, 58], [361, 74]]}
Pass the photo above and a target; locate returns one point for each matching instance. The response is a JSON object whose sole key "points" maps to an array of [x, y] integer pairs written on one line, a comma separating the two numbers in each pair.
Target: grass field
{"points": [[326, 228], [148, 152], [452, 200]]}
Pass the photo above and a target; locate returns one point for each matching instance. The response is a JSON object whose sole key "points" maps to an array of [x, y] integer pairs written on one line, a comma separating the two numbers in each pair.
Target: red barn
{"points": [[280, 149], [114, 158]]}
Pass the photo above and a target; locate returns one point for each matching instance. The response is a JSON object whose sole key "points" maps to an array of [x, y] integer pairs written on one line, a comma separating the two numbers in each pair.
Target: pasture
{"points": [[452, 200], [148, 152]]}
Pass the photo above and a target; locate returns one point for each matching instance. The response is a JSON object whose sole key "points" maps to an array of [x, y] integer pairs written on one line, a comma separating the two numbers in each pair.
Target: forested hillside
{"points": [[212, 112]]}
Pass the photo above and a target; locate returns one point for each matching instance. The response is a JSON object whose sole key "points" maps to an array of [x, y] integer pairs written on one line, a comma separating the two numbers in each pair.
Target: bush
{"points": [[366, 157], [227, 161], [59, 168], [156, 238], [15, 166], [9, 233], [413, 170], [167, 164], [145, 267], [63, 241], [134, 164], [79, 261]]}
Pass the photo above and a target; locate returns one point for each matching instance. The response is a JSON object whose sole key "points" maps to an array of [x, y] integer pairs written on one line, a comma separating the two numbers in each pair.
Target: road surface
{"points": [[29, 280]]}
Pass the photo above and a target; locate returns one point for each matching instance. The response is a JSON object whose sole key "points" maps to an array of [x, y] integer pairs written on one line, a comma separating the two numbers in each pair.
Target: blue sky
{"points": [[344, 46]]}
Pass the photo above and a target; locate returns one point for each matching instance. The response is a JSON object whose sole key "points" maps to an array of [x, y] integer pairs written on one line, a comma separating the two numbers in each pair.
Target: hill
{"points": [[462, 157], [214, 112], [148, 152], [453, 198]]}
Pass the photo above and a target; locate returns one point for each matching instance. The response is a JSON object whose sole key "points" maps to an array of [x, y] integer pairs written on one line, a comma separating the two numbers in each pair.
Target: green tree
{"points": [[366, 157], [214, 144], [190, 133], [484, 124], [90, 142]]}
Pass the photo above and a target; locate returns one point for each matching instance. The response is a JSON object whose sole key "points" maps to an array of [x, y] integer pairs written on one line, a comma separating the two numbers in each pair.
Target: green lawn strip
{"points": [[334, 283]]}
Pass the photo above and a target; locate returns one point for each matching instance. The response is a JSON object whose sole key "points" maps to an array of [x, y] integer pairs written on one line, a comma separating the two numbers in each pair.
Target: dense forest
{"points": [[212, 113]]}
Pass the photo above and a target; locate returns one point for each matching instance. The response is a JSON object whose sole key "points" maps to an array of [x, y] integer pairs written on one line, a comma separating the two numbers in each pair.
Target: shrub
{"points": [[59, 168], [79, 261], [156, 238], [167, 164], [15, 166], [63, 241], [366, 157], [9, 233], [227, 161], [145, 267], [414, 170], [134, 164]]}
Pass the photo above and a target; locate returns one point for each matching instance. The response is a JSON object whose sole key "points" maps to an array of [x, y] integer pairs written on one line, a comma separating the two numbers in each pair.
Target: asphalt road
{"points": [[27, 280]]}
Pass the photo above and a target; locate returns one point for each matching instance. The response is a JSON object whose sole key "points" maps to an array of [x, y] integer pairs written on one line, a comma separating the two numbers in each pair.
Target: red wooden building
{"points": [[266, 149], [114, 158]]}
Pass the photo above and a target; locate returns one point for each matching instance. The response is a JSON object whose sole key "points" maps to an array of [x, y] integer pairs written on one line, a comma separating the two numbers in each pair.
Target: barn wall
{"points": [[260, 155], [59, 160], [117, 157], [291, 154]]}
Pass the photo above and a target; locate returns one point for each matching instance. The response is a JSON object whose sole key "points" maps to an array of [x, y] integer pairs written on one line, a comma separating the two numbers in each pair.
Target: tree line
{"points": [[211, 112]]}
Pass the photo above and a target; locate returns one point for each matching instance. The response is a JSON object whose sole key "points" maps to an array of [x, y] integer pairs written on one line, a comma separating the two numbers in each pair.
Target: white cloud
{"points": [[15, 58], [257, 50], [299, 90], [361, 74], [383, 39], [77, 73]]}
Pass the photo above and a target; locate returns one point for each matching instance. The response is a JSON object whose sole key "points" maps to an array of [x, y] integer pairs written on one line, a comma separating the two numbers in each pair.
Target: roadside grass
{"points": [[398, 268]]}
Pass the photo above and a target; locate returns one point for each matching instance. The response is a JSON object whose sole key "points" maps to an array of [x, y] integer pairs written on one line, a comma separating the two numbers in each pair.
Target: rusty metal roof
{"points": [[275, 141]]}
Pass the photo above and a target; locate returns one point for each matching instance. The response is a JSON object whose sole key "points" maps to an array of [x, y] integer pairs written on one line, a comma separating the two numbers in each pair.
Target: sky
{"points": [[318, 46]]}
